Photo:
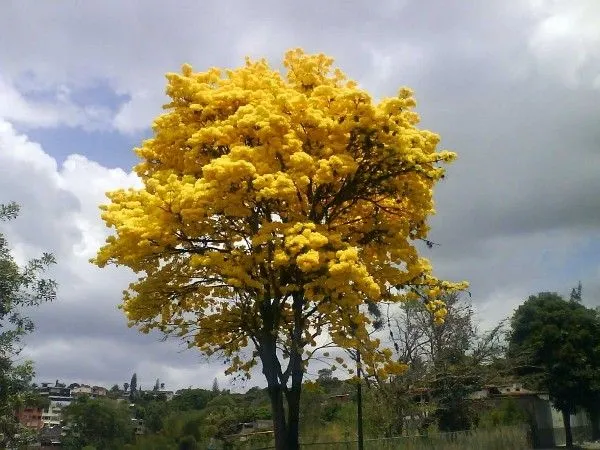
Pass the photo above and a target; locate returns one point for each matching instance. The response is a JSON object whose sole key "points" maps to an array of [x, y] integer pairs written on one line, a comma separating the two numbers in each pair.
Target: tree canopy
{"points": [[20, 288], [273, 207], [101, 423], [560, 342]]}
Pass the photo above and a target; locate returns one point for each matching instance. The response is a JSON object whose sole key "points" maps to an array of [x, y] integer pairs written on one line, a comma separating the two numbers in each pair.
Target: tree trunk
{"points": [[268, 356], [297, 374], [293, 431], [567, 424], [595, 419], [278, 412]]}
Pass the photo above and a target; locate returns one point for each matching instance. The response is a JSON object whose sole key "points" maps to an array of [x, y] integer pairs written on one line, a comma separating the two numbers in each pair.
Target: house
{"points": [[99, 391], [31, 417], [167, 395], [82, 389], [545, 421], [92, 391]]}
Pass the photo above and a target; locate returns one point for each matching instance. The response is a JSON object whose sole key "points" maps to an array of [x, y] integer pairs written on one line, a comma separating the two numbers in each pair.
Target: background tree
{"points": [[446, 363], [576, 293], [152, 411], [125, 386], [190, 399], [101, 423], [215, 386], [133, 387], [20, 288], [272, 209], [114, 392], [561, 341], [156, 385]]}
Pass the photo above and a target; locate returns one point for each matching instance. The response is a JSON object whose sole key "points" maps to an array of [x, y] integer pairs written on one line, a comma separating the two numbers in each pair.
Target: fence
{"points": [[501, 438]]}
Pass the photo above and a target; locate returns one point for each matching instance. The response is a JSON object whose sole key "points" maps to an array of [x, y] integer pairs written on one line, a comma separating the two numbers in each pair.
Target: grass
{"points": [[501, 438]]}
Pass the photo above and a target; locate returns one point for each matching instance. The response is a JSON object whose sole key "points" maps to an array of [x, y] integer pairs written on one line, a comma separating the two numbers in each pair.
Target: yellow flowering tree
{"points": [[273, 207]]}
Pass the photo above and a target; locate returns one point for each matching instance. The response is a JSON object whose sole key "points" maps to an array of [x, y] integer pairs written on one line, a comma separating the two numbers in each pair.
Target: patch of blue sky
{"points": [[579, 264], [92, 93], [108, 148]]}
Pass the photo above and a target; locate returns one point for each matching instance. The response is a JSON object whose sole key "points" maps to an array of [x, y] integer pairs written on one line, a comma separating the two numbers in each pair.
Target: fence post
{"points": [[361, 443]]}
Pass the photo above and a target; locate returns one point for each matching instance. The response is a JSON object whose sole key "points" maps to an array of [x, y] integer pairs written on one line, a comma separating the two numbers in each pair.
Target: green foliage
{"points": [[20, 288], [133, 388], [191, 399], [152, 442], [102, 423], [506, 413], [188, 443], [152, 412], [560, 341], [195, 416]]}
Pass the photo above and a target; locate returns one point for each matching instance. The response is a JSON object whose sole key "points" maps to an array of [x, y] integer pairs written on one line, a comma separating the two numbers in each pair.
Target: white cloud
{"points": [[57, 109], [130, 48], [64, 46], [139, 111], [566, 40], [81, 336]]}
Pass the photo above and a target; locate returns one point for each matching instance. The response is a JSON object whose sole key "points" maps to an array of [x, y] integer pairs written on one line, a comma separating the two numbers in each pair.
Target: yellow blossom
{"points": [[272, 200]]}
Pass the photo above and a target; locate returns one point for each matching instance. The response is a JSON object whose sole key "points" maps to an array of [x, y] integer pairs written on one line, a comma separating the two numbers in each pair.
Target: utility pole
{"points": [[361, 443]]}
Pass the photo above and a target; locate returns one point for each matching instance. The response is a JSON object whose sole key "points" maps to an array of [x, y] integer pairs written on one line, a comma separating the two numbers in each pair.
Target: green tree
{"points": [[191, 399], [103, 423], [114, 392], [153, 412], [561, 343], [152, 442], [20, 288], [133, 387]]}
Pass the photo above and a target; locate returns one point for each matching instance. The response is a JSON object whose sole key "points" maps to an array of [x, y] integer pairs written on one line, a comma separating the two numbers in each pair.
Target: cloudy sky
{"points": [[513, 87]]}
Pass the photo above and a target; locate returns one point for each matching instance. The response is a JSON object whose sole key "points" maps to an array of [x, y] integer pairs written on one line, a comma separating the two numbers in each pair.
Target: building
{"points": [[99, 391], [52, 416], [58, 390], [166, 395], [58, 397], [31, 417], [81, 389], [545, 422]]}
